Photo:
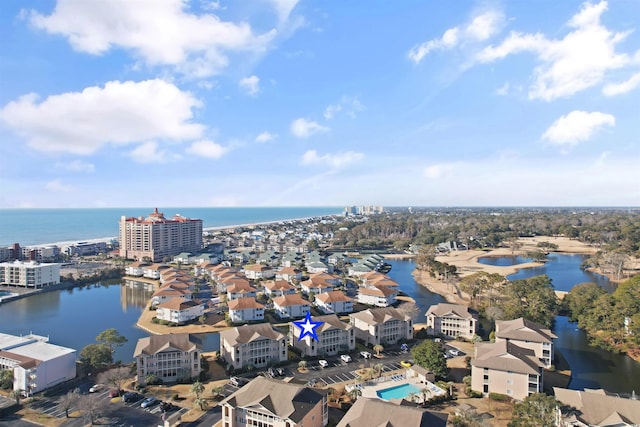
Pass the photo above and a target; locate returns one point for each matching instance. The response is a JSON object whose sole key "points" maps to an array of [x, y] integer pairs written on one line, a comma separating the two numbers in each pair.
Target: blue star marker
{"points": [[308, 327]]}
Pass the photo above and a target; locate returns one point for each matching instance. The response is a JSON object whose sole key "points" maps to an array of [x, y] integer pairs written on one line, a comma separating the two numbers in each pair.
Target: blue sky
{"points": [[125, 103]]}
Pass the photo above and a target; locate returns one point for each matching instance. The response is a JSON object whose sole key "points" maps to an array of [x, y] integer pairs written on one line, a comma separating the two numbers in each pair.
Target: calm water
{"points": [[503, 261], [74, 317], [401, 272], [38, 226], [564, 271]]}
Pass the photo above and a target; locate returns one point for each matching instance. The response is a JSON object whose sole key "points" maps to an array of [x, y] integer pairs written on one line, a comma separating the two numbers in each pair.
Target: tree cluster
{"points": [[611, 320], [430, 354]]}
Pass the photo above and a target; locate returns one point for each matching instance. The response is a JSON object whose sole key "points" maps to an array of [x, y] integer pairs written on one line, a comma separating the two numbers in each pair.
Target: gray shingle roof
{"points": [[378, 413], [523, 330]]}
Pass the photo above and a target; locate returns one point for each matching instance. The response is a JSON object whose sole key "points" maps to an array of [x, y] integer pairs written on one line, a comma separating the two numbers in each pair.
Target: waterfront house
{"points": [[36, 364], [167, 293], [136, 269], [381, 326], [266, 402], [378, 413], [169, 357], [379, 297], [505, 368], [292, 305], [527, 334], [30, 274], [333, 302], [153, 271], [276, 288], [320, 282], [258, 345], [179, 310], [245, 309], [451, 321], [334, 336]]}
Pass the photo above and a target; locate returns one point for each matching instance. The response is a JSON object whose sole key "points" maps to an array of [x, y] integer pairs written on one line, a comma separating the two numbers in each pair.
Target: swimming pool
{"points": [[397, 392]]}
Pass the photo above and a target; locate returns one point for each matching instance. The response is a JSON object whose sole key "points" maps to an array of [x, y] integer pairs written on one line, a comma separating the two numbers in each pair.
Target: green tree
{"points": [[6, 379], [378, 349], [112, 338], [96, 355], [201, 403], [430, 354], [581, 298], [354, 393], [16, 394], [536, 410], [197, 388], [532, 298]]}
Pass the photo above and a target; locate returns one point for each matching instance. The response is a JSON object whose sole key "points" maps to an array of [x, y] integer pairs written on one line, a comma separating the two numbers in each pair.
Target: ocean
{"points": [[41, 226]]}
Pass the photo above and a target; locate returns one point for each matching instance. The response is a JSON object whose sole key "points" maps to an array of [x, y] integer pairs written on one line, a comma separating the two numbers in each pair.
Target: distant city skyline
{"points": [[207, 103]]}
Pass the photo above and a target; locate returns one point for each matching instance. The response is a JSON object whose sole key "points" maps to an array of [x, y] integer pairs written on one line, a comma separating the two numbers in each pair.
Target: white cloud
{"points": [[503, 90], [206, 148], [350, 105], [284, 8], [334, 161], [76, 166], [149, 152], [118, 113], [612, 89], [265, 137], [303, 128], [250, 84], [159, 32], [577, 126], [57, 186], [440, 170], [479, 29], [571, 64]]}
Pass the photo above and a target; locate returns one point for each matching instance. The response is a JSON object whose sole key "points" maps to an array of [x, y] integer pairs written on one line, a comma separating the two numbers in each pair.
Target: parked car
{"points": [[323, 363], [365, 354], [131, 396], [115, 393], [405, 363], [96, 387], [280, 371], [149, 401], [167, 407], [234, 381], [345, 358], [454, 352]]}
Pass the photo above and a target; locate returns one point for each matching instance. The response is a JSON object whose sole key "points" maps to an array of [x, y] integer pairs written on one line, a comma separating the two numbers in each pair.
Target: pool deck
{"points": [[370, 390]]}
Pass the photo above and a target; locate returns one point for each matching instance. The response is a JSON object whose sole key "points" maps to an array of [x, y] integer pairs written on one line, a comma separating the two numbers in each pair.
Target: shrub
{"points": [[175, 396], [155, 320], [498, 397]]}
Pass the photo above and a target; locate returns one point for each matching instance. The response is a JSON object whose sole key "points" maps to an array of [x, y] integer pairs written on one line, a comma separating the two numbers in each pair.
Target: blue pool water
{"points": [[398, 392]]}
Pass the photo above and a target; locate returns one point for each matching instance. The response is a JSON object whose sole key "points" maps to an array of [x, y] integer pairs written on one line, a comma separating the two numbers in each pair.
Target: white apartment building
{"points": [[156, 237], [245, 310], [29, 274], [258, 345], [266, 402], [334, 336], [179, 310], [381, 326], [292, 305], [379, 297], [527, 334], [168, 357], [37, 365], [334, 302], [451, 320]]}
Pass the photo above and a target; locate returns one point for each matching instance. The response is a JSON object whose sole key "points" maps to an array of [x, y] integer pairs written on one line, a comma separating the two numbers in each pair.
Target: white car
{"points": [[365, 354], [95, 388], [323, 363], [345, 358], [454, 352]]}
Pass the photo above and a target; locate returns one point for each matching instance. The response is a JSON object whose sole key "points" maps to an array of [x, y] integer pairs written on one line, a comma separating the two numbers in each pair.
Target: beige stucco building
{"points": [[168, 357], [334, 336], [258, 345], [381, 326], [451, 320], [528, 334]]}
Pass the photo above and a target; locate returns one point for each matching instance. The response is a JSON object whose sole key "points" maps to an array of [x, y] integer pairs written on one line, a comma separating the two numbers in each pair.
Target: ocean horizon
{"points": [[39, 226]]}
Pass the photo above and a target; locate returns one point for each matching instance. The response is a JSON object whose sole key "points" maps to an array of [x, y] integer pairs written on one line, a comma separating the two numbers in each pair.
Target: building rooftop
{"points": [[375, 316], [378, 413], [157, 343], [452, 310], [506, 356], [41, 350], [247, 333], [523, 330]]}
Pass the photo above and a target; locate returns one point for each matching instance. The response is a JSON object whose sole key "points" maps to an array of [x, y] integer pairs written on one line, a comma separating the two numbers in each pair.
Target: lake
{"points": [[74, 317]]}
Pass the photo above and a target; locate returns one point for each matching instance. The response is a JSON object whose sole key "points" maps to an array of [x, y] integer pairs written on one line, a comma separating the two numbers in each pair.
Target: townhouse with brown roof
{"points": [[378, 413], [289, 274], [333, 302], [245, 309], [168, 357], [258, 271], [378, 297], [258, 345], [320, 282], [288, 306], [452, 321], [381, 326], [528, 334], [276, 288], [596, 408], [240, 289], [505, 368], [334, 336], [266, 402]]}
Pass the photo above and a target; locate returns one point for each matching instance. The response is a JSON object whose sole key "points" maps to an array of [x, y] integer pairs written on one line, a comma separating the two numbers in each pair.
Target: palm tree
{"points": [[411, 397], [378, 348], [16, 394], [217, 391], [354, 393], [197, 388], [302, 365], [378, 367], [200, 403]]}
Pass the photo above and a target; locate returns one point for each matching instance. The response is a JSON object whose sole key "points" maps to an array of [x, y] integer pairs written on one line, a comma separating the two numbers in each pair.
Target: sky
{"points": [[201, 103]]}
